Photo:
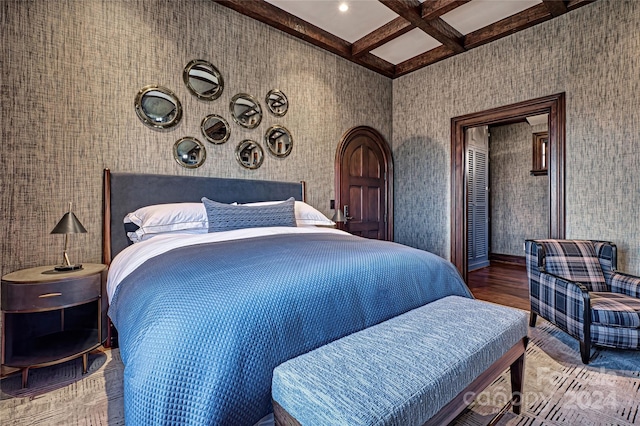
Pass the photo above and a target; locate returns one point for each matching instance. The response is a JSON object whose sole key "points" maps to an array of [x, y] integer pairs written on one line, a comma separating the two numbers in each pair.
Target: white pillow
{"points": [[134, 238], [305, 214], [162, 218]]}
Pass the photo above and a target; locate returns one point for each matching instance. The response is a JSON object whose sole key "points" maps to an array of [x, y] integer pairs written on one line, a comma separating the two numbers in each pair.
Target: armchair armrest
{"points": [[565, 303], [625, 284]]}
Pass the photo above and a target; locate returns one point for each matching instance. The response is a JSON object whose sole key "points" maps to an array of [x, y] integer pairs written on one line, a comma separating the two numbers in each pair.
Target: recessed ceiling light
{"points": [[343, 7]]}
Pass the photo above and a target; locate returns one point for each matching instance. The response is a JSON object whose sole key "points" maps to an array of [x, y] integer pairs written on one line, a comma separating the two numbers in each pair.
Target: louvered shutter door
{"points": [[478, 203]]}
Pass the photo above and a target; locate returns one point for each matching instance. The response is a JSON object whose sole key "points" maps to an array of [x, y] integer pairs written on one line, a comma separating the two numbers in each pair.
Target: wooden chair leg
{"points": [[532, 319], [585, 351]]}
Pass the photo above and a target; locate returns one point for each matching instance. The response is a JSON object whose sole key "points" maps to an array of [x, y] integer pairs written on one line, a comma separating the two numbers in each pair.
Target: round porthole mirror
{"points": [[158, 107], [249, 154], [245, 110], [278, 140], [277, 102], [203, 80], [215, 129], [189, 152]]}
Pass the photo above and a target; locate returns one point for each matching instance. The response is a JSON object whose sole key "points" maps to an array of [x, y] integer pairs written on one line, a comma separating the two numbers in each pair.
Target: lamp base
{"points": [[62, 268]]}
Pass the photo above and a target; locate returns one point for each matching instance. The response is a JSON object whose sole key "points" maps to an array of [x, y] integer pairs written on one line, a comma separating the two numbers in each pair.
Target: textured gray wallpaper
{"points": [[519, 201], [592, 54], [71, 69]]}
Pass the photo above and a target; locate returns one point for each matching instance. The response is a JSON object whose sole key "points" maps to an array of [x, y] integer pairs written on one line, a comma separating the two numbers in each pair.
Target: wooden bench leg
{"points": [[517, 379]]}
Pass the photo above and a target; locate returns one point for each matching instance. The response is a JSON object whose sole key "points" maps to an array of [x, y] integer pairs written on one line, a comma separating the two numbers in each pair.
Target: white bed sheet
{"points": [[129, 259]]}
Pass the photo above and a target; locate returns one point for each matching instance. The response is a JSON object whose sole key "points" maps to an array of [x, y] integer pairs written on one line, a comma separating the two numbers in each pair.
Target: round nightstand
{"points": [[49, 317]]}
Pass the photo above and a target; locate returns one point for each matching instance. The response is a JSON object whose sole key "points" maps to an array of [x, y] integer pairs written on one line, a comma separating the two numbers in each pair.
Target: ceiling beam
{"points": [[411, 10], [574, 4], [432, 9], [421, 61], [556, 7], [520, 21], [382, 35], [376, 64]]}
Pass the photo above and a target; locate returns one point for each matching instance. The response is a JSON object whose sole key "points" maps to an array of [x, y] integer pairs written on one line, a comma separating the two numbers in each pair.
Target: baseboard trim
{"points": [[508, 258]]}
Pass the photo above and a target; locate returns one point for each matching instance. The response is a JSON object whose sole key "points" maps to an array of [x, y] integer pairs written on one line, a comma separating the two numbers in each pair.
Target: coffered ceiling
{"points": [[396, 37]]}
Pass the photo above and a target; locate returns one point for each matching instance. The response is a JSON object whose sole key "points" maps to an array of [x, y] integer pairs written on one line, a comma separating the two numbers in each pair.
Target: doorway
{"points": [[364, 183], [553, 105]]}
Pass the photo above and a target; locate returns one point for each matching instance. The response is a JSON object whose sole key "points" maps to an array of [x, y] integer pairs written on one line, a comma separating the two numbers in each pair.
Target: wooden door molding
{"points": [[554, 105], [375, 136]]}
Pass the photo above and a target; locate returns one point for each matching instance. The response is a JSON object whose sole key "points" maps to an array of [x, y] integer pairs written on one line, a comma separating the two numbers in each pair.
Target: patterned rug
{"points": [[558, 389]]}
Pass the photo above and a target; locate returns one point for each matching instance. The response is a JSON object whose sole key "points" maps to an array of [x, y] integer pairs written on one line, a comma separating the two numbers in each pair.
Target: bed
{"points": [[204, 318]]}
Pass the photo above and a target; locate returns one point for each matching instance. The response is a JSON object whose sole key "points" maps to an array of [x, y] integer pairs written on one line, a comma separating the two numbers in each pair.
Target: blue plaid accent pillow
{"points": [[574, 260], [227, 217]]}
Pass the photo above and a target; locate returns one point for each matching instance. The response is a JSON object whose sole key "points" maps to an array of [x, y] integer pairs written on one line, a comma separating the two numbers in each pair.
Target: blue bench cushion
{"points": [[401, 371]]}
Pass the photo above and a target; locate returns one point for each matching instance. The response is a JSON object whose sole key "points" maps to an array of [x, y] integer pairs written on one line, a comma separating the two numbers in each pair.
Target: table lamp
{"points": [[338, 216], [69, 224], [340, 219]]}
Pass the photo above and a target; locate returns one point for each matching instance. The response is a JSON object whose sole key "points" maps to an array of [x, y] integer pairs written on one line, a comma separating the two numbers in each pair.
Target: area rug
{"points": [[62, 395], [558, 389]]}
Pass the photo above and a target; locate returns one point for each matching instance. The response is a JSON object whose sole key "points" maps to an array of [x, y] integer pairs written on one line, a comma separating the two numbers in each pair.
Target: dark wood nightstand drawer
{"points": [[21, 297]]}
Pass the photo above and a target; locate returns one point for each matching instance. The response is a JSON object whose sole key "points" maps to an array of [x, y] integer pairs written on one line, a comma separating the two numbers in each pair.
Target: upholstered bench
{"points": [[422, 367]]}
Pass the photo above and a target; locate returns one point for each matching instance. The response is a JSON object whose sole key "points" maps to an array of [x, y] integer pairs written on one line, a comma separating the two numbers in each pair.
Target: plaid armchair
{"points": [[574, 285]]}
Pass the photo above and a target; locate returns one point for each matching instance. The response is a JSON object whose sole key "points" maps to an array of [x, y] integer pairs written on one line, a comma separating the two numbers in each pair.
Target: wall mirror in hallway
{"points": [[554, 106]]}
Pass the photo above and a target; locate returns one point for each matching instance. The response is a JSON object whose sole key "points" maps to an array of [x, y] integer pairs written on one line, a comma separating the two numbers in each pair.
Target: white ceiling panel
{"points": [[479, 13], [535, 120], [406, 46], [363, 16]]}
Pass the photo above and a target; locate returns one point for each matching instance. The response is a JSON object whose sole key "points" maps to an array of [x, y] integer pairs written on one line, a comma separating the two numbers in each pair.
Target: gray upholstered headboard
{"points": [[126, 192]]}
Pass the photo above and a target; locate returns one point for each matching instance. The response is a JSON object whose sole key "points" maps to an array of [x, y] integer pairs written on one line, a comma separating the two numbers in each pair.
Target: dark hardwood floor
{"points": [[502, 283]]}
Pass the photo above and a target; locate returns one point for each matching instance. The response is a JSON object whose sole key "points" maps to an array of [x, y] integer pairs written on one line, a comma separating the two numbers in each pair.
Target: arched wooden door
{"points": [[364, 183]]}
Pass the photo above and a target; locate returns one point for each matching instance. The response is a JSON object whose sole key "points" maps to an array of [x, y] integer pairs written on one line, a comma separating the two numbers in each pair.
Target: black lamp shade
{"points": [[69, 224]]}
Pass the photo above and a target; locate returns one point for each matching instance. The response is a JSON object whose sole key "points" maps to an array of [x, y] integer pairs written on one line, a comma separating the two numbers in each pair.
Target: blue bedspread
{"points": [[201, 328]]}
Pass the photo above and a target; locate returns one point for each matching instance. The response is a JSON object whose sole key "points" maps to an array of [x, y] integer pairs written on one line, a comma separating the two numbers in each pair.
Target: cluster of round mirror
{"points": [[278, 140], [215, 129], [160, 109], [189, 152], [203, 80], [245, 110], [277, 103], [249, 154]]}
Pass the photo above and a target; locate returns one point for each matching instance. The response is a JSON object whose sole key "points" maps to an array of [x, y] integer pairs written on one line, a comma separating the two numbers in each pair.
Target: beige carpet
{"points": [[559, 389]]}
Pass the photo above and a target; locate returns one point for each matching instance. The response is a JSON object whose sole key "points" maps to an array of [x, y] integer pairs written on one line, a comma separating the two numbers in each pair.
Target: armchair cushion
{"points": [[574, 260], [625, 284], [615, 310], [615, 337]]}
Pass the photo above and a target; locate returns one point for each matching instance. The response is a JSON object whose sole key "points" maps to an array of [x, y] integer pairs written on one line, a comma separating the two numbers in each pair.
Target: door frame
{"points": [[554, 105], [374, 135]]}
